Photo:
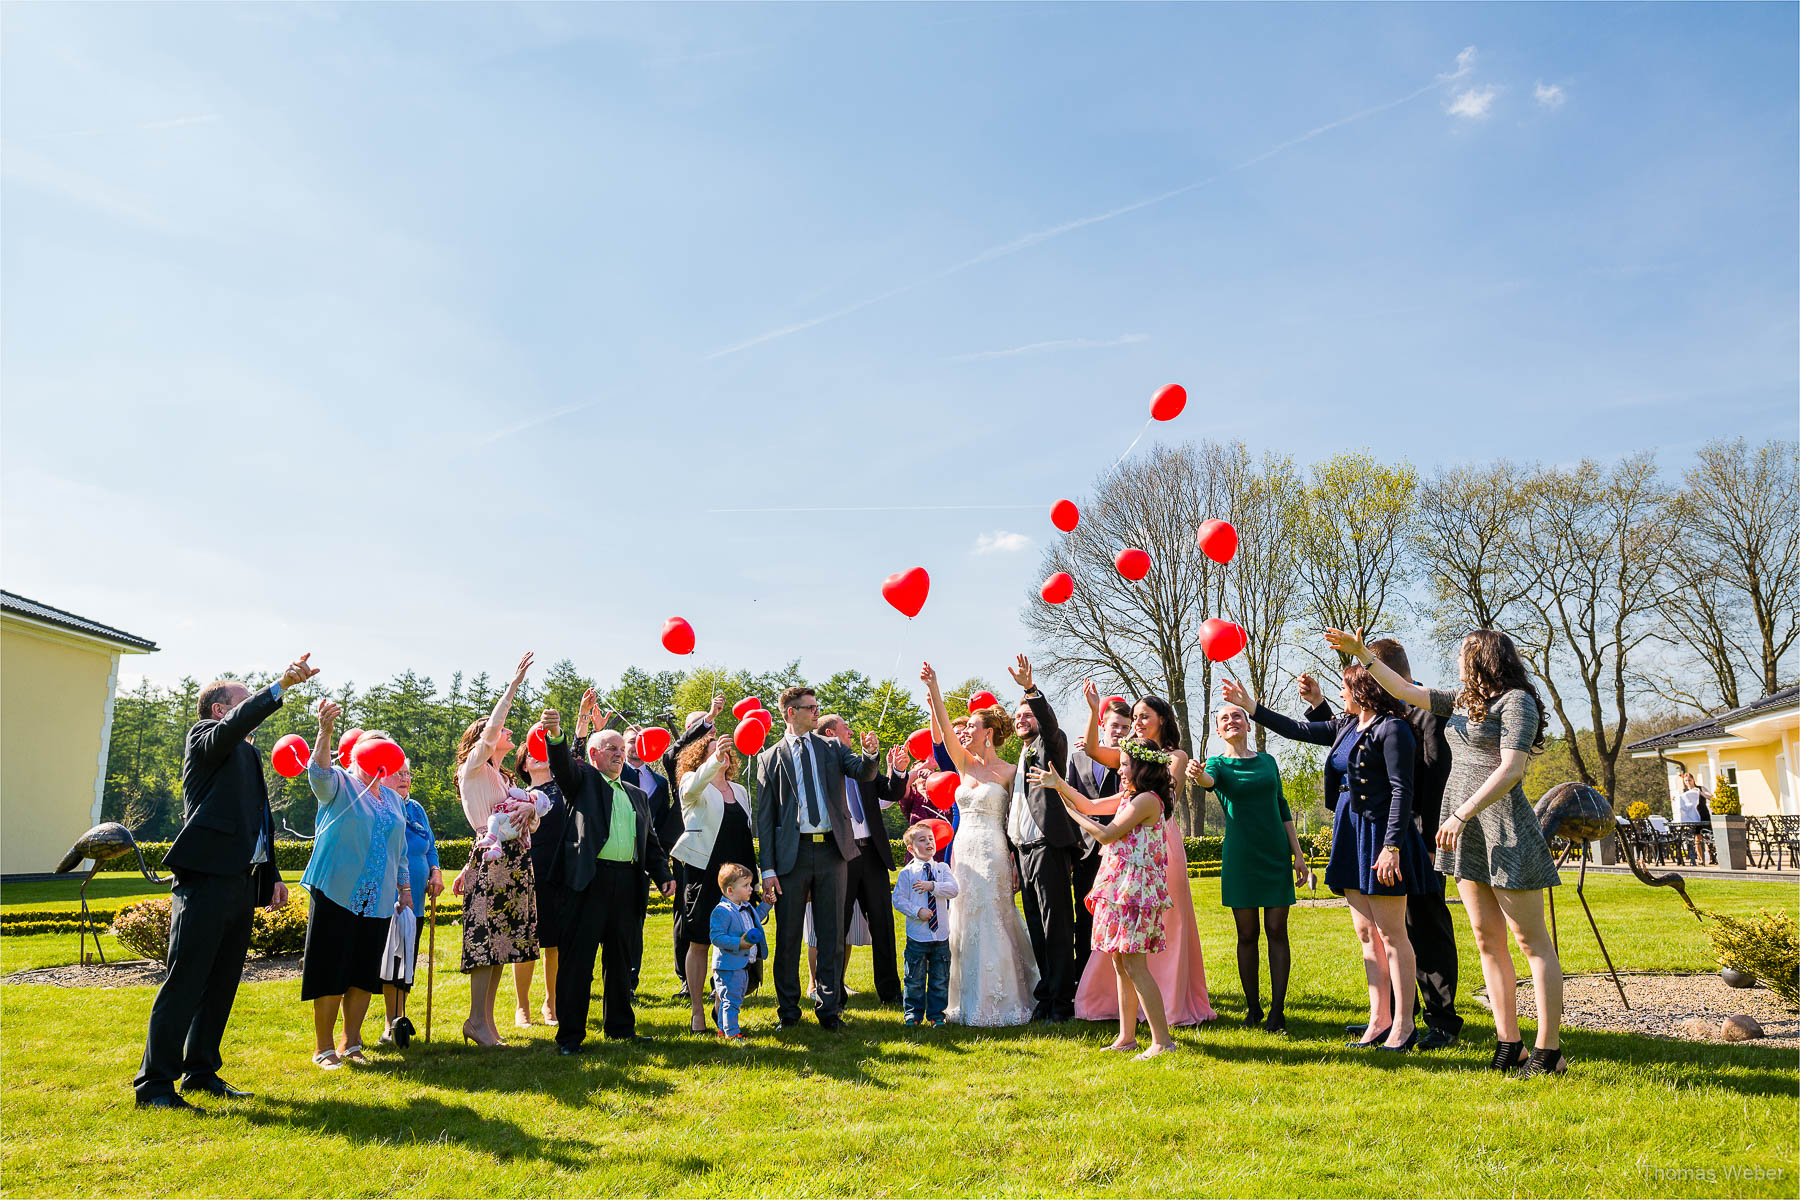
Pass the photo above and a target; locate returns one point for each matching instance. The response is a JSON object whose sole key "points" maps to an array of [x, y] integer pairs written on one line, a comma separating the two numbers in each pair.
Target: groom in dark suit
{"points": [[1047, 842], [804, 835]]}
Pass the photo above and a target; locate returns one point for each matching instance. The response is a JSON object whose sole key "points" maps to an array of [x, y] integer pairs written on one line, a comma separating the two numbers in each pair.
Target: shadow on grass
{"points": [[420, 1119]]}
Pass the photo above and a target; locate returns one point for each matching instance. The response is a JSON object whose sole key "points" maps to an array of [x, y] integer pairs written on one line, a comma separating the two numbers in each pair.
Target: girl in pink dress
{"points": [[1178, 966], [1130, 896]]}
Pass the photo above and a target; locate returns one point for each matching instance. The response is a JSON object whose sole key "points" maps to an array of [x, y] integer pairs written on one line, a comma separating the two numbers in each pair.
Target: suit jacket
{"points": [[778, 798], [1081, 777], [1049, 747], [224, 797], [589, 797], [1431, 764], [1381, 764], [874, 794], [703, 812]]}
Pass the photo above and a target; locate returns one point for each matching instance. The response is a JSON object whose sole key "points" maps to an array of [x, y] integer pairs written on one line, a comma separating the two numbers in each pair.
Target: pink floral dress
{"points": [[1131, 893], [500, 920]]}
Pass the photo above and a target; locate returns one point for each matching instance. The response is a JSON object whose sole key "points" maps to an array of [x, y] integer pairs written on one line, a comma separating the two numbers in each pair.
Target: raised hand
{"points": [[871, 742], [897, 759], [589, 702], [1310, 692], [1233, 693], [1021, 675], [552, 723], [298, 671], [1090, 691], [718, 705], [1347, 643], [524, 668], [926, 674], [329, 712]]}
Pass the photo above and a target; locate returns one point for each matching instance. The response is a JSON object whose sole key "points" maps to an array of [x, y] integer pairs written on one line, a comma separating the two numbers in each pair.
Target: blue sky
{"points": [[417, 336]]}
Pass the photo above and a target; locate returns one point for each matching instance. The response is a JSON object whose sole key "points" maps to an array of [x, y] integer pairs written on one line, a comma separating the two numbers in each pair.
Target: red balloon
{"points": [[378, 756], [1108, 701], [763, 715], [919, 745], [678, 636], [535, 745], [1220, 640], [1058, 588], [1064, 515], [750, 737], [981, 700], [941, 831], [746, 706], [1133, 563], [344, 745], [907, 590], [289, 756], [652, 742], [940, 789], [1168, 402], [1218, 540]]}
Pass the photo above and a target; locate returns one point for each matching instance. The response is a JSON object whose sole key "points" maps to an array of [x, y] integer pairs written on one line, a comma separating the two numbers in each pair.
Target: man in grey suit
{"points": [[804, 833]]}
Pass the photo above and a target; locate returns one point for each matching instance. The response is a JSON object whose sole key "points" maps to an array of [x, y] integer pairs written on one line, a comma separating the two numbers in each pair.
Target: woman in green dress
{"points": [[1260, 849]]}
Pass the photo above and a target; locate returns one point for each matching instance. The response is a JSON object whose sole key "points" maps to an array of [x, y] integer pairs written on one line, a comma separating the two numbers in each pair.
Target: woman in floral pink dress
{"points": [[1131, 894], [500, 923]]}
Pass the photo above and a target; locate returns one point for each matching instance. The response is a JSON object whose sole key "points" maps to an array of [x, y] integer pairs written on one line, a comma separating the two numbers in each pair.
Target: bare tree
{"points": [[1350, 529], [1261, 583], [1466, 520], [1595, 544], [1742, 514], [1706, 629]]}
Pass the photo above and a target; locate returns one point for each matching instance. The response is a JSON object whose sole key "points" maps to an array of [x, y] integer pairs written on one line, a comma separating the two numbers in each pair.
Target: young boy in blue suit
{"points": [[737, 937]]}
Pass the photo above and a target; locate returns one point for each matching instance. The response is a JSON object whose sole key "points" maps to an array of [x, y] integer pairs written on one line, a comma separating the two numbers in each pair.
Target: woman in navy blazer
{"points": [[1377, 855]]}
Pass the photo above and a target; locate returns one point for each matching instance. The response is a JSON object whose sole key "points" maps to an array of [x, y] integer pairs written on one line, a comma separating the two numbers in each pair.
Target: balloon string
{"points": [[887, 693], [1133, 446]]}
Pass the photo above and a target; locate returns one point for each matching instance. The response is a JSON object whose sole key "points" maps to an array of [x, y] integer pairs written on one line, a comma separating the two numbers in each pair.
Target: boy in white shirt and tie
{"points": [[920, 892]]}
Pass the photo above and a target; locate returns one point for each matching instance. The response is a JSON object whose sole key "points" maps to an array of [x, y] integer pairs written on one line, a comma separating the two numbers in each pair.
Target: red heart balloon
{"points": [[1218, 540], [907, 590], [750, 737], [345, 744], [1168, 402], [1220, 640], [940, 789], [1133, 563], [678, 636], [981, 700], [748, 704], [1064, 515], [289, 756], [1058, 588], [919, 745], [535, 745], [763, 715], [941, 831], [378, 756], [1106, 703], [652, 742]]}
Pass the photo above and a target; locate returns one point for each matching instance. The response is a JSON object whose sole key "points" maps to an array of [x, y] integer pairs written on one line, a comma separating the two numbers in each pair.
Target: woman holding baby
{"points": [[500, 923]]}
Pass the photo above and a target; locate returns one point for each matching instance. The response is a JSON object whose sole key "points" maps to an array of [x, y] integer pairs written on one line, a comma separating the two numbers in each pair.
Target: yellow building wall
{"points": [[54, 696], [1756, 780]]}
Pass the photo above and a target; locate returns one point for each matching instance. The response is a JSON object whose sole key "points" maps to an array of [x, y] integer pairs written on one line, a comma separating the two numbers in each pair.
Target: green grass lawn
{"points": [[883, 1110]]}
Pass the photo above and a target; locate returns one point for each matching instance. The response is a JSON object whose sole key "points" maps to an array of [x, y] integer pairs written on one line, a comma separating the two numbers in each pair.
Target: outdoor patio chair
{"points": [[1669, 842], [1764, 842], [1790, 836]]}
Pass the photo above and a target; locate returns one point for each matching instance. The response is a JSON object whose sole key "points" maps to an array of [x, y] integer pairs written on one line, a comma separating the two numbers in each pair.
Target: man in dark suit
{"points": [[866, 880], [1093, 780], [805, 837], [609, 855], [1429, 926], [1046, 842], [223, 861]]}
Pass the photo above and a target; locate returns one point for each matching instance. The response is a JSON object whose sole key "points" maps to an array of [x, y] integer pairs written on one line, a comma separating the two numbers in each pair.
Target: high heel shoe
{"points": [[476, 1038], [1543, 1062], [1507, 1055], [1375, 1039], [1411, 1041]]}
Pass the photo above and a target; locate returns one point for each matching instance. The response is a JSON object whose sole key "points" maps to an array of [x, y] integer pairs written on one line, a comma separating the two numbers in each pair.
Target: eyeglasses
{"points": [[813, 707]]}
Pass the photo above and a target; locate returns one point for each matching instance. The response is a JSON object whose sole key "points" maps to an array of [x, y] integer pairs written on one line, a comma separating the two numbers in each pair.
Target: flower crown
{"points": [[1145, 752]]}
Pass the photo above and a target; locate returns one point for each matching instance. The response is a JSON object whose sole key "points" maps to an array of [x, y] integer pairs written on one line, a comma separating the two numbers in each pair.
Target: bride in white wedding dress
{"points": [[992, 971]]}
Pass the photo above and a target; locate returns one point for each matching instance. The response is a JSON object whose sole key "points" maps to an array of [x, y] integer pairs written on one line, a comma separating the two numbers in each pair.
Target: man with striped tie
{"points": [[921, 895]]}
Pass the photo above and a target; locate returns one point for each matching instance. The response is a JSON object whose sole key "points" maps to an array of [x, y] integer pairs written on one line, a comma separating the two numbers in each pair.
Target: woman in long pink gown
{"points": [[1178, 968]]}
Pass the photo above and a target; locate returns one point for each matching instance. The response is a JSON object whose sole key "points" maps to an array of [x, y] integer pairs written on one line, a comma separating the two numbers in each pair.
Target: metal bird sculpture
{"points": [[1578, 814], [104, 843]]}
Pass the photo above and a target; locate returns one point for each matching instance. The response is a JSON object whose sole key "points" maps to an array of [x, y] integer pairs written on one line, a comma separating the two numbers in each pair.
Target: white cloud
{"points": [[1126, 339], [1465, 62], [1550, 95], [1474, 104], [1000, 542]]}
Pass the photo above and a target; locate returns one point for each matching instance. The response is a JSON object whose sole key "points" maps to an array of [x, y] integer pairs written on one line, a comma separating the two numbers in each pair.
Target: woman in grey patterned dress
{"points": [[1489, 838]]}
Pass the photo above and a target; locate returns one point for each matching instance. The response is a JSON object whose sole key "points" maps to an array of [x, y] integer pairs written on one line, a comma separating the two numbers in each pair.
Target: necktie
{"points": [[931, 903], [803, 760], [853, 794]]}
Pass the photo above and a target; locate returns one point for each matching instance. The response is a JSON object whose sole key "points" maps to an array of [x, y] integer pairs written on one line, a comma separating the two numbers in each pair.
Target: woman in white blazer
{"points": [[716, 829]]}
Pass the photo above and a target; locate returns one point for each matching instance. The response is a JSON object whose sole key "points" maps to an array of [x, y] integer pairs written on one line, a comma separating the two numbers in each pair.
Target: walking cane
{"points": [[430, 961]]}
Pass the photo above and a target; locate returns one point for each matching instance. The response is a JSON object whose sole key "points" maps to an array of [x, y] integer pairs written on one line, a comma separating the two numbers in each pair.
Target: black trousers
{"points": [[209, 935], [1085, 868], [1433, 936], [818, 875], [606, 919], [866, 883], [1048, 886]]}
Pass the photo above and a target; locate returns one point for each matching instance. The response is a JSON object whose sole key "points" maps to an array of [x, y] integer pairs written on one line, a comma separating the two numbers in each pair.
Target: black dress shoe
{"points": [[1380, 1037], [1277, 1022], [170, 1100], [1411, 1041], [831, 1023], [566, 1050], [789, 1022], [1437, 1039], [216, 1087]]}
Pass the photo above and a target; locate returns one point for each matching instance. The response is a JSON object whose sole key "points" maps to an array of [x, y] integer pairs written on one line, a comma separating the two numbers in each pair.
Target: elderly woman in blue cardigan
{"points": [[356, 877], [1377, 855]]}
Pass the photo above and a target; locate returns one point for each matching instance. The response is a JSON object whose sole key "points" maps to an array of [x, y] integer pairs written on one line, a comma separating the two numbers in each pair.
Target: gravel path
{"points": [[1661, 1004], [147, 973]]}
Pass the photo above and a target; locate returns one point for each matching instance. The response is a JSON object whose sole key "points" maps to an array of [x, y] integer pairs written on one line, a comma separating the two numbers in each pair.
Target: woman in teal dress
{"points": [[1261, 863]]}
